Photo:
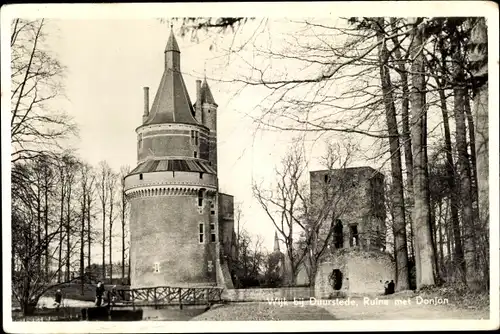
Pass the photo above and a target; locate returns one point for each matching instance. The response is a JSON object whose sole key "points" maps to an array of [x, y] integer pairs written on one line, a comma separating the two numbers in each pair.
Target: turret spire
{"points": [[276, 242], [171, 103], [172, 42]]}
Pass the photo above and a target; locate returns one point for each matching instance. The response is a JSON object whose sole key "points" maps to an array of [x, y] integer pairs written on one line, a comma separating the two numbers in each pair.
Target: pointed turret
{"points": [[206, 94], [172, 42], [276, 242], [171, 103]]}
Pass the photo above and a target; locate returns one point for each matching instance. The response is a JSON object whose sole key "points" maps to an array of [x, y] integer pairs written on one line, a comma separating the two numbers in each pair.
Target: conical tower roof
{"points": [[171, 103], [206, 94]]}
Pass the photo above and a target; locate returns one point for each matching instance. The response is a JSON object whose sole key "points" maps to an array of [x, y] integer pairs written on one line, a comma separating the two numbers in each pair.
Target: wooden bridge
{"points": [[161, 296]]}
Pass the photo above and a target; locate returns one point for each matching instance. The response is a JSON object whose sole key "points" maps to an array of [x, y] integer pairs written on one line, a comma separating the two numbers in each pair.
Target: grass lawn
{"points": [[264, 311]]}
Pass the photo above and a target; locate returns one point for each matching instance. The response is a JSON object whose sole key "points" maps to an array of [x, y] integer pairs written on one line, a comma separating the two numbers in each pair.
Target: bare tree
{"points": [[293, 209], [397, 194], [104, 173], [423, 243], [111, 185], [30, 280], [479, 59], [36, 77], [87, 184], [124, 171]]}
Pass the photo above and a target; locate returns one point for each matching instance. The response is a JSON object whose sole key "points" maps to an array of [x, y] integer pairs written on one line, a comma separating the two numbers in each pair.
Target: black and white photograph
{"points": [[238, 167]]}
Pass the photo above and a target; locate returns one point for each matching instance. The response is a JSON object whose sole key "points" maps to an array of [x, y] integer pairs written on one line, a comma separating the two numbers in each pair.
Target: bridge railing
{"points": [[167, 295]]}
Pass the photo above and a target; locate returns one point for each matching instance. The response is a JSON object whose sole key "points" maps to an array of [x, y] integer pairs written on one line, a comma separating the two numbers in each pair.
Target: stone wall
{"points": [[359, 197], [266, 294], [363, 272]]}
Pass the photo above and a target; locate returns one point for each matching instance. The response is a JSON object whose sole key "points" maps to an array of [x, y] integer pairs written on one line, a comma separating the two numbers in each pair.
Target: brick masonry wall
{"points": [[165, 230], [176, 141], [247, 295]]}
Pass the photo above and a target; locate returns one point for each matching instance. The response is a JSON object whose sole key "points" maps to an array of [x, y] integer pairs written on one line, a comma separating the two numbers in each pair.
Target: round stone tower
{"points": [[173, 190]]}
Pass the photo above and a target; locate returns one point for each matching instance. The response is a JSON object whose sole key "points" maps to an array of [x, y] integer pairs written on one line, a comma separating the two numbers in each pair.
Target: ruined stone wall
{"points": [[359, 199], [363, 273]]}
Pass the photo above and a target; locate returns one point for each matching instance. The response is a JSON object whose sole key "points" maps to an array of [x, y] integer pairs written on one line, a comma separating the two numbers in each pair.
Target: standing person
{"points": [[386, 288], [99, 293], [58, 298], [112, 295]]}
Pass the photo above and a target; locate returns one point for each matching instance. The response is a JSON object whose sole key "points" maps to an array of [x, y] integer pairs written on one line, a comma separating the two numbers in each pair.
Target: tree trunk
{"points": [[46, 224], [39, 218], [68, 232], [89, 238], [423, 242], [82, 244], [124, 203], [110, 255], [454, 201], [397, 192], [61, 224], [479, 60], [103, 238], [464, 169], [440, 230]]}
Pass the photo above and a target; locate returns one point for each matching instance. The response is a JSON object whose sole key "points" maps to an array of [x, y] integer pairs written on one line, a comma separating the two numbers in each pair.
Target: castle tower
{"points": [[206, 111], [173, 190]]}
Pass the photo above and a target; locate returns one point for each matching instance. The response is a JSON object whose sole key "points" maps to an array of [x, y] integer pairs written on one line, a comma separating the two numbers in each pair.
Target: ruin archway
{"points": [[336, 279]]}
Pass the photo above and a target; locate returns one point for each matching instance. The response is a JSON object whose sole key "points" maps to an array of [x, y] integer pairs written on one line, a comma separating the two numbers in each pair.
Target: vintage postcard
{"points": [[215, 167]]}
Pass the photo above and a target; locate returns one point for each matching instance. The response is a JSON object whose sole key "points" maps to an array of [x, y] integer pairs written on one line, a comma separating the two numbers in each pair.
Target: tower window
{"points": [[140, 176], [212, 208], [156, 267], [140, 141], [201, 175], [354, 235], [195, 154], [201, 234], [212, 232], [200, 197], [192, 133], [196, 137]]}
